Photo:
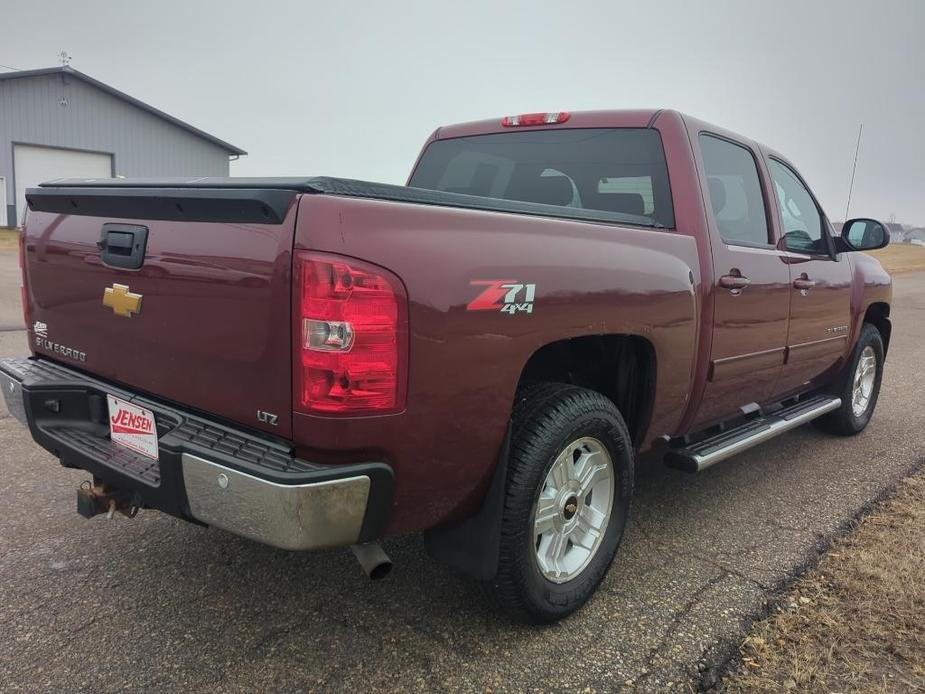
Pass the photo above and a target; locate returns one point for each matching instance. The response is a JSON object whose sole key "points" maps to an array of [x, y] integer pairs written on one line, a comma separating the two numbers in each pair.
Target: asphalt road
{"points": [[155, 603]]}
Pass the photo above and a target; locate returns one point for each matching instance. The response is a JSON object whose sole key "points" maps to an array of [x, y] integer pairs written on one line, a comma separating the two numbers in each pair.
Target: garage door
{"points": [[33, 165]]}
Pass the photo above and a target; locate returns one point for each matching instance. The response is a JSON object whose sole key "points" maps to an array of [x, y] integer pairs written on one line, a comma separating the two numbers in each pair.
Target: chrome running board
{"points": [[695, 457]]}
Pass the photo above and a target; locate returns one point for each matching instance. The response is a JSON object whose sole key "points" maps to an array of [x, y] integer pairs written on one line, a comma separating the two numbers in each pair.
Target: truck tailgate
{"points": [[204, 322]]}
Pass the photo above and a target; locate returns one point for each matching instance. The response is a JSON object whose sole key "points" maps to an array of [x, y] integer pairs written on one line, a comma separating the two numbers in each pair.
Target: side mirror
{"points": [[862, 235]]}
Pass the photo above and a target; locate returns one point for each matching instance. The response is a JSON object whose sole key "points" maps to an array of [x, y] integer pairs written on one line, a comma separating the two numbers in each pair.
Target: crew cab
{"points": [[482, 354]]}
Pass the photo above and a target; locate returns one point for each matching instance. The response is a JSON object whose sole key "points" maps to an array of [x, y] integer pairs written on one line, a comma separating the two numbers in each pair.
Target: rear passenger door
{"points": [[820, 291], [751, 290]]}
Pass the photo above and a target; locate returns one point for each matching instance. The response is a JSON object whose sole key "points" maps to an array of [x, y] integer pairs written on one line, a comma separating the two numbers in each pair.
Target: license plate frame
{"points": [[132, 427]]}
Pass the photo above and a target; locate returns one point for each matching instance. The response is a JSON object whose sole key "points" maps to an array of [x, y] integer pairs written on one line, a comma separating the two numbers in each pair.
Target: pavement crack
{"points": [[704, 558], [730, 571], [789, 528], [675, 623]]}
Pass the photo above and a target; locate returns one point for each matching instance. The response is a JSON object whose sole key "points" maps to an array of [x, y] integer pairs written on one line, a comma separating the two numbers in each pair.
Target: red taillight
{"points": [[22, 274], [535, 119], [351, 337]]}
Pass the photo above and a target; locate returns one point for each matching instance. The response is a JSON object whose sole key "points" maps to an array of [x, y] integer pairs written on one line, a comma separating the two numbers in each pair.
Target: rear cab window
{"points": [[617, 170]]}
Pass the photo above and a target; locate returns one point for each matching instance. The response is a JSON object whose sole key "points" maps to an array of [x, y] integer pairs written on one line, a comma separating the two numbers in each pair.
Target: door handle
{"points": [[734, 282], [803, 283]]}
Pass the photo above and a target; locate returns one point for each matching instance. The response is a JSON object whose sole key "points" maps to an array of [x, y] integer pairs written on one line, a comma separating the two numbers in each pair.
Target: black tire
{"points": [[547, 417], [844, 421]]}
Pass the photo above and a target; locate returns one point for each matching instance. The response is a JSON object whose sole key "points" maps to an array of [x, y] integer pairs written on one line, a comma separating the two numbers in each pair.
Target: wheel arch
{"points": [[621, 367], [471, 545], [878, 315]]}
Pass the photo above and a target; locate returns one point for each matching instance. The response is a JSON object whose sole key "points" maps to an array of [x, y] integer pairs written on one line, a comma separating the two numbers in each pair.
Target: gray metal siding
{"points": [[142, 144]]}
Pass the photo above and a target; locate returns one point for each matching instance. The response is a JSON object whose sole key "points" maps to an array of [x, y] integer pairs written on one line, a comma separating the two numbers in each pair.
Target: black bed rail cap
{"points": [[265, 200], [293, 183], [240, 205]]}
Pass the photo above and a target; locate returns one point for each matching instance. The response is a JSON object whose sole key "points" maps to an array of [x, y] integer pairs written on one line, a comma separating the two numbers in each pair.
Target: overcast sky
{"points": [[353, 88]]}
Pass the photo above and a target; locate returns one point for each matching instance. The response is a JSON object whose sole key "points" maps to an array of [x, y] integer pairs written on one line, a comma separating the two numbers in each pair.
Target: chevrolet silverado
{"points": [[482, 354]]}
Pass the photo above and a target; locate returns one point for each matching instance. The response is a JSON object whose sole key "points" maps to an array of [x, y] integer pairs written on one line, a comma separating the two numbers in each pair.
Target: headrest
{"points": [[627, 203], [548, 190], [717, 193]]}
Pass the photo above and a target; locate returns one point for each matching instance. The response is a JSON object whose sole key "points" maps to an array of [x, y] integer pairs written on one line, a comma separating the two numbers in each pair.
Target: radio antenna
{"points": [[853, 170]]}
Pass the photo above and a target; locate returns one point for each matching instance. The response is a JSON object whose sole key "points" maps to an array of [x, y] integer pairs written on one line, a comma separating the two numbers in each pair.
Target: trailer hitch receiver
{"points": [[94, 498]]}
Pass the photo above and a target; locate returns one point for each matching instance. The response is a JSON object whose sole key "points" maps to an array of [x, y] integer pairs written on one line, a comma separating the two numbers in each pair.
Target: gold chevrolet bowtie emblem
{"points": [[121, 300]]}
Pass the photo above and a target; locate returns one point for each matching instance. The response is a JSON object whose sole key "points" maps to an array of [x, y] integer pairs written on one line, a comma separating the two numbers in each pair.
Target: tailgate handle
{"points": [[123, 245]]}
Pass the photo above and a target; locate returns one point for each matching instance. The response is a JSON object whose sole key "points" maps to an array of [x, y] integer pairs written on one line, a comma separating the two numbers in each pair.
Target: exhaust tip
{"points": [[381, 571], [373, 560]]}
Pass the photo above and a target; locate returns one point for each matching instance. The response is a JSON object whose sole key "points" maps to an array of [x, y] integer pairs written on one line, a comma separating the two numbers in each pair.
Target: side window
{"points": [[735, 192], [798, 212]]}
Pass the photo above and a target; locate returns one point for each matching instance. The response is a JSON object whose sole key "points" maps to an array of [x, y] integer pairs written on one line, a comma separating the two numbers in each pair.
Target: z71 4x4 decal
{"points": [[506, 296]]}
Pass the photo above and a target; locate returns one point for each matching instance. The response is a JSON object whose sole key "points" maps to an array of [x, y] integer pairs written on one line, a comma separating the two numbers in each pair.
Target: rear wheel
{"points": [[858, 387], [570, 480]]}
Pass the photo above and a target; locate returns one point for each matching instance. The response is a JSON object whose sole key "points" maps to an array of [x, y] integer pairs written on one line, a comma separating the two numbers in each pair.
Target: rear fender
{"points": [[468, 349]]}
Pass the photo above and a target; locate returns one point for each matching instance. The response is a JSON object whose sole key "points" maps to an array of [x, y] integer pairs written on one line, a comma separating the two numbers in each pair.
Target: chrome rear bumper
{"points": [[288, 516]]}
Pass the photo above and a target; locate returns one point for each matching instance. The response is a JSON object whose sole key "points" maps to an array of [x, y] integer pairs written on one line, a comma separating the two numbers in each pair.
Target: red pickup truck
{"points": [[482, 354]]}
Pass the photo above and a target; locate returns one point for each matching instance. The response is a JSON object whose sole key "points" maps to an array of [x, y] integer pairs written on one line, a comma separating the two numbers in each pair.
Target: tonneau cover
{"points": [[263, 200]]}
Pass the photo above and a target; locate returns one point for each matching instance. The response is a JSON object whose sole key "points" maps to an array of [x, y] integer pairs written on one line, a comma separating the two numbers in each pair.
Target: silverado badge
{"points": [[121, 300]]}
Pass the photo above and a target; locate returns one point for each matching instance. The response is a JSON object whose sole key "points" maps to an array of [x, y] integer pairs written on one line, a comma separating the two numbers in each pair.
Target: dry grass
{"points": [[857, 621], [9, 239], [901, 257]]}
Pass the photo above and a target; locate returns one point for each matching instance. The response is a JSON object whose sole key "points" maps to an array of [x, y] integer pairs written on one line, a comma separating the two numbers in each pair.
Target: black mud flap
{"points": [[471, 546]]}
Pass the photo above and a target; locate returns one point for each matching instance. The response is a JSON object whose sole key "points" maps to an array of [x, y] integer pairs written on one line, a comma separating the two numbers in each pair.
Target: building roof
{"points": [[67, 70]]}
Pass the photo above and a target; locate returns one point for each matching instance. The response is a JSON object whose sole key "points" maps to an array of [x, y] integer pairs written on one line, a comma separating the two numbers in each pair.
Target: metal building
{"points": [[60, 123]]}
